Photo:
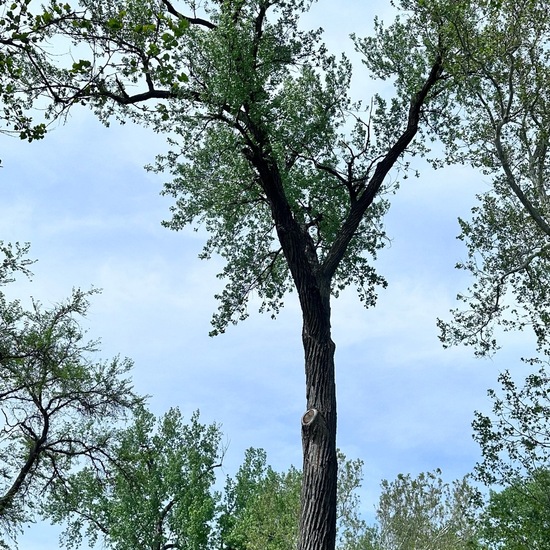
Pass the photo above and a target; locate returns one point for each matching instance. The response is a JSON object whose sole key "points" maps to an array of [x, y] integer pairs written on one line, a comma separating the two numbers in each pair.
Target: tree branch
{"points": [[511, 180], [358, 209], [190, 20]]}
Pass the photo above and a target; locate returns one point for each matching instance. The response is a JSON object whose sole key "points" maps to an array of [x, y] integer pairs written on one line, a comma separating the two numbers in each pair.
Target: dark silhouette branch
{"points": [[190, 20]]}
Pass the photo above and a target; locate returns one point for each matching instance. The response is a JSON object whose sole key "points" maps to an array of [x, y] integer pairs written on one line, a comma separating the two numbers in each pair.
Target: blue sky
{"points": [[92, 214]]}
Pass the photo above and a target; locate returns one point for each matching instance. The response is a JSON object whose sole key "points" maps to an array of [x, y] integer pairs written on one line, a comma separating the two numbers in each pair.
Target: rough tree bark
{"points": [[318, 517]]}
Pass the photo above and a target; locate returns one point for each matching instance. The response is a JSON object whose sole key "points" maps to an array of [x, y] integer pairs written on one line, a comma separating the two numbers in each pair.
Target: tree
{"points": [[263, 157], [58, 405], [422, 513], [352, 531], [515, 442], [261, 507], [157, 494], [426, 514], [515, 445], [259, 118], [517, 517], [504, 66]]}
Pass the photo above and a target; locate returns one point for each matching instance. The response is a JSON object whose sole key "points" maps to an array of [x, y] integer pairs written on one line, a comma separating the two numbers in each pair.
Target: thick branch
{"points": [[33, 456], [511, 180], [190, 20], [358, 209], [126, 99]]}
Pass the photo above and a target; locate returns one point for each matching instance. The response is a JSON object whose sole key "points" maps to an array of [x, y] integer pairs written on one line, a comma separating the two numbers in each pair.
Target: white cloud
{"points": [[92, 215]]}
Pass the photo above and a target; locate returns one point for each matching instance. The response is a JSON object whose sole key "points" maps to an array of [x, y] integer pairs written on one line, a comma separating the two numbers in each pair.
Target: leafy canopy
{"points": [[518, 516], [58, 405], [261, 128], [156, 494], [515, 439], [504, 70]]}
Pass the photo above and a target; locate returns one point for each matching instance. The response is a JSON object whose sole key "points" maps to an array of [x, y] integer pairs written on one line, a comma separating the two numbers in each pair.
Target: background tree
{"points": [[518, 516], [261, 507], [262, 156], [58, 405], [352, 531], [426, 514], [515, 441], [503, 64], [157, 494]]}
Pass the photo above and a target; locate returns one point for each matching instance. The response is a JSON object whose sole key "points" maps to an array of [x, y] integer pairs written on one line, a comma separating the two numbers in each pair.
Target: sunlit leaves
{"points": [[518, 516], [247, 83], [426, 512], [157, 492], [260, 509]]}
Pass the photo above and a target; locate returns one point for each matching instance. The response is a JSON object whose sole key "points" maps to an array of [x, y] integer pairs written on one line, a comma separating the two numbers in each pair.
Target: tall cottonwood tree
{"points": [[263, 156]]}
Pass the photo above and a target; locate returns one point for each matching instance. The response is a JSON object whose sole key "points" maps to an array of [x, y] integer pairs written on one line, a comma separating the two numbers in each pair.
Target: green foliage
{"points": [[261, 507], [13, 261], [261, 510], [265, 93], [155, 494], [352, 531], [157, 491], [518, 517], [425, 513], [492, 112], [503, 68], [271, 156], [58, 406], [251, 102], [20, 32], [515, 441]]}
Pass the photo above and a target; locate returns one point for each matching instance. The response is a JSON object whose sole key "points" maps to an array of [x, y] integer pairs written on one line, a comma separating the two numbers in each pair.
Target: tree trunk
{"points": [[318, 506], [318, 513]]}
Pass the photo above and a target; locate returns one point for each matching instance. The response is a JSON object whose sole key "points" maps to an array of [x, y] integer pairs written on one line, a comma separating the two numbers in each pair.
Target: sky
{"points": [[92, 215]]}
